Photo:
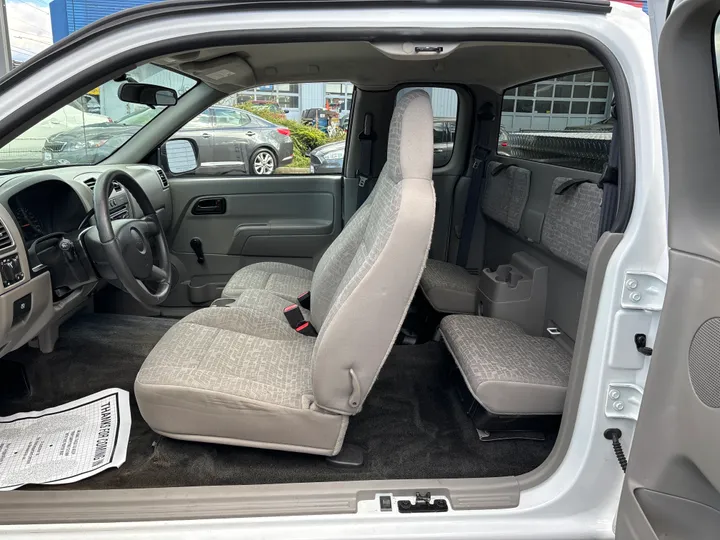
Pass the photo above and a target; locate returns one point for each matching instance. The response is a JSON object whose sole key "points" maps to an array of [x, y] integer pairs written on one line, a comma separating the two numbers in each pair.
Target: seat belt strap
{"points": [[364, 171], [480, 155], [571, 182], [609, 181]]}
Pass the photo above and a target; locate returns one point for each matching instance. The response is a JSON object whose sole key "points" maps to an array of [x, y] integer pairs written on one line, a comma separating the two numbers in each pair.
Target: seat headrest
{"points": [[410, 139]]}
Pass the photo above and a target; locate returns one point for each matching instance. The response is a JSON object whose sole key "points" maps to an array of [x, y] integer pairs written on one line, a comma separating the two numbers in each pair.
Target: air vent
{"points": [[5, 239], [163, 179], [90, 182]]}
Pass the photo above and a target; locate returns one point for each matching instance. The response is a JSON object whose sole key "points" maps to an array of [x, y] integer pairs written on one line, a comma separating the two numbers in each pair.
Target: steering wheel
{"points": [[126, 242]]}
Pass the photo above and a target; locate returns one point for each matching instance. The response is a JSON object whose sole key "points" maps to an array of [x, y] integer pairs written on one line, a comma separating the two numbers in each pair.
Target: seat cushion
{"points": [[267, 303], [448, 287], [234, 376], [508, 371], [284, 280]]}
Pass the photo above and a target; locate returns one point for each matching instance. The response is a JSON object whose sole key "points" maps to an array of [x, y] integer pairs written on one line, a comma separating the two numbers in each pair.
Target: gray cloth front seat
{"points": [[242, 376]]}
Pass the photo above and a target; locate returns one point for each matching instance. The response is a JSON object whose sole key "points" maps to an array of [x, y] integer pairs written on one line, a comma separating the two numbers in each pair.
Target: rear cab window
{"points": [[564, 121]]}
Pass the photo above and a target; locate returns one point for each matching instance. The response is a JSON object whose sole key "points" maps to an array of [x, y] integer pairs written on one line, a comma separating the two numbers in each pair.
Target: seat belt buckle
{"points": [[362, 180], [294, 316], [304, 300], [306, 329]]}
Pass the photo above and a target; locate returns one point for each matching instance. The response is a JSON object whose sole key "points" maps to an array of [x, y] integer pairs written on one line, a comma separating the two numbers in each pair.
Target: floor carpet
{"points": [[411, 426]]}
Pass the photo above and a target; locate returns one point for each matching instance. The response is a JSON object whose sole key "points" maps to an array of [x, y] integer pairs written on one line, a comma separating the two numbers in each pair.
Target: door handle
{"points": [[206, 135], [250, 133], [208, 206]]}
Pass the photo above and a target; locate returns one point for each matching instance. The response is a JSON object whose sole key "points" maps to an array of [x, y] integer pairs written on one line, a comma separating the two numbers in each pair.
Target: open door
{"points": [[672, 486]]}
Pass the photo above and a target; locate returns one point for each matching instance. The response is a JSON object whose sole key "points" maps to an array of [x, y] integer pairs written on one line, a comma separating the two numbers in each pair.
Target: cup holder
{"points": [[506, 275], [516, 291]]}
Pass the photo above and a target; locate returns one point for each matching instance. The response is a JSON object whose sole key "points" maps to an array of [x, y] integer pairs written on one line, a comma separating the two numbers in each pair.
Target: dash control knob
{"points": [[11, 270]]}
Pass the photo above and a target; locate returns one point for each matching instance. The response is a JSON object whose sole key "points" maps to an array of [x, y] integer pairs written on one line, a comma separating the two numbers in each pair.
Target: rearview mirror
{"points": [[147, 94], [180, 155]]}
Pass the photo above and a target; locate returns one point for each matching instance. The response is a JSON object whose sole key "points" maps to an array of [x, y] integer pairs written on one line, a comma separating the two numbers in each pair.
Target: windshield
{"points": [[90, 128]]}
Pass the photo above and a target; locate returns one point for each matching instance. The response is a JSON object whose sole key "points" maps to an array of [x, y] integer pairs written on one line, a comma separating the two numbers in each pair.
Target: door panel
{"points": [[672, 486], [287, 219]]}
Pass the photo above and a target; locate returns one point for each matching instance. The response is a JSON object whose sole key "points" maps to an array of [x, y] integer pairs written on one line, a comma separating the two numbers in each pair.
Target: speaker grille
{"points": [[704, 363]]}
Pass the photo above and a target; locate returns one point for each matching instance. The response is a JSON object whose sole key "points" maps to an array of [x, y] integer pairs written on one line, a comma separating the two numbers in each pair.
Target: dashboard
{"points": [[47, 207], [37, 205]]}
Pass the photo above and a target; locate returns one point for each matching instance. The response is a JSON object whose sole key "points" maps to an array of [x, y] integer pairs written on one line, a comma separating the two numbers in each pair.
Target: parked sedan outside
{"points": [[27, 149], [230, 141]]}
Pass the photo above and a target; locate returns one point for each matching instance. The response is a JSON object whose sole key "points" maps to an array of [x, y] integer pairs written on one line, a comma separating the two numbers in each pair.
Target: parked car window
{"points": [[225, 117], [273, 130], [90, 128], [564, 121], [445, 110]]}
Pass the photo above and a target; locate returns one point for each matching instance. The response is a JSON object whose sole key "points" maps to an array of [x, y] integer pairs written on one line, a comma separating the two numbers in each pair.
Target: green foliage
{"points": [[305, 138]]}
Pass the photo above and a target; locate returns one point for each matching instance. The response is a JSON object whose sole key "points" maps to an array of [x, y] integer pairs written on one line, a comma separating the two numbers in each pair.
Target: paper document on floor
{"points": [[65, 444]]}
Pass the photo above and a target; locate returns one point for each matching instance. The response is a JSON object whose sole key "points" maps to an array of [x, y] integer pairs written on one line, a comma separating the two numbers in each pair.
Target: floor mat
{"points": [[411, 426]]}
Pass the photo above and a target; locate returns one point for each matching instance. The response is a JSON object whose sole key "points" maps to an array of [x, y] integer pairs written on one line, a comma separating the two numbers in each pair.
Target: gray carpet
{"points": [[412, 425]]}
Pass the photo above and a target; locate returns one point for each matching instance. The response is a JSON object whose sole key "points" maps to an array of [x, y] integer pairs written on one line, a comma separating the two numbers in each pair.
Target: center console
{"points": [[516, 292]]}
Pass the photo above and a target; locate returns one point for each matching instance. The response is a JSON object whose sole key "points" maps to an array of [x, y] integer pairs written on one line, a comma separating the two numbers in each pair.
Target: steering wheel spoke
{"points": [[158, 274], [150, 226]]}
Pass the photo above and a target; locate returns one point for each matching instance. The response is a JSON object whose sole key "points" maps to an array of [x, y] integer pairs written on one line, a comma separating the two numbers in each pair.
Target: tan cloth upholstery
{"points": [[240, 375], [449, 288], [507, 371], [233, 376], [285, 280]]}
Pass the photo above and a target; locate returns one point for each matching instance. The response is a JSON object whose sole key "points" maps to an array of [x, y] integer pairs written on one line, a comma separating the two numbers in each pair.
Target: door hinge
{"points": [[623, 400]]}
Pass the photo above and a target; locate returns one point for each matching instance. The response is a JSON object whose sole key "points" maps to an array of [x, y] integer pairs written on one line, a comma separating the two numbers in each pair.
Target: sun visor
{"points": [[227, 73]]}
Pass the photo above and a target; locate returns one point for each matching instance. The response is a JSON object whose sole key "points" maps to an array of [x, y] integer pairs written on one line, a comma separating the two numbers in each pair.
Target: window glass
{"points": [[230, 117], [439, 133], [273, 130], [91, 128], [445, 110], [564, 120]]}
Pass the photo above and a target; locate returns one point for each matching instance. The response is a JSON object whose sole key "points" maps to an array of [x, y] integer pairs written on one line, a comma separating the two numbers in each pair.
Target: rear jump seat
{"points": [[450, 288], [506, 370]]}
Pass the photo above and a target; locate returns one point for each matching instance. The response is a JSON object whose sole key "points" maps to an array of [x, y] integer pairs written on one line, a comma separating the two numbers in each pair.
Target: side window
{"points": [[274, 130], [445, 111], [229, 117], [563, 121], [201, 121]]}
